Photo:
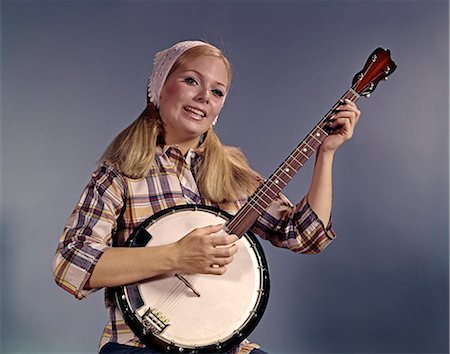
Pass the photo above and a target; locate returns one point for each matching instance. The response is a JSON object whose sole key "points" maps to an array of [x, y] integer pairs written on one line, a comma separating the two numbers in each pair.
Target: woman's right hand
{"points": [[200, 251], [205, 251]]}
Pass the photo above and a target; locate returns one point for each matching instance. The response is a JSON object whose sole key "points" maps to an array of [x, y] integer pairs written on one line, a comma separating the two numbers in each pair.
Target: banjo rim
{"points": [[140, 237]]}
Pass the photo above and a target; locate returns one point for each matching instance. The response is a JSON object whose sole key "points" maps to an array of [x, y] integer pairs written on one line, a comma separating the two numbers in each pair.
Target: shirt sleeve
{"points": [[297, 228], [88, 232]]}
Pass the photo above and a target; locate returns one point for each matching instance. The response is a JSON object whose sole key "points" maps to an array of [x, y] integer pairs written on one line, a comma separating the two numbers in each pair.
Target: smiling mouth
{"points": [[197, 112]]}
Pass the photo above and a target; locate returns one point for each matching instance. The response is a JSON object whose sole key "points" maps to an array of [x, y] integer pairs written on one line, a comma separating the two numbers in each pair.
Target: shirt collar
{"points": [[191, 156]]}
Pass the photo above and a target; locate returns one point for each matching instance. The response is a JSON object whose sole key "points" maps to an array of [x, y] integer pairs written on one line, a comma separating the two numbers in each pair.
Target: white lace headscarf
{"points": [[162, 63]]}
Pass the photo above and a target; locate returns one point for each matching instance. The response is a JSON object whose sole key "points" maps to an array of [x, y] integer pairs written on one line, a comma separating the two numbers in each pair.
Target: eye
{"points": [[190, 81], [218, 93]]}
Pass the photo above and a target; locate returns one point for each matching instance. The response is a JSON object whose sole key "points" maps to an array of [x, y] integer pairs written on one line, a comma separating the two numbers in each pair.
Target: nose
{"points": [[203, 95]]}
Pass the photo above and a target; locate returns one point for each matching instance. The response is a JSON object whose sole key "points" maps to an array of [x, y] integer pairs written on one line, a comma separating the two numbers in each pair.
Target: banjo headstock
{"points": [[378, 67]]}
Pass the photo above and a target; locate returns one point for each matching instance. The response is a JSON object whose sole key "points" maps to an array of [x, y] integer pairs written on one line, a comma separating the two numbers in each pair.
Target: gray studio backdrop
{"points": [[74, 74]]}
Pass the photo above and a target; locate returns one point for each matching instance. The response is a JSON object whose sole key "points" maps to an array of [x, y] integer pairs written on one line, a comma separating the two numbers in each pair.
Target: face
{"points": [[191, 99]]}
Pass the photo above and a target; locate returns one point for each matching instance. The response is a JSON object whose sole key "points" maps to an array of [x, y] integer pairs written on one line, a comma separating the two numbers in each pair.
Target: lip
{"points": [[192, 112]]}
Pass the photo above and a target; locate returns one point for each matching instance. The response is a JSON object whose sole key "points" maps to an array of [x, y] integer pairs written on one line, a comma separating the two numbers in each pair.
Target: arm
{"points": [[197, 252], [320, 191], [85, 260], [306, 227], [87, 233], [120, 265]]}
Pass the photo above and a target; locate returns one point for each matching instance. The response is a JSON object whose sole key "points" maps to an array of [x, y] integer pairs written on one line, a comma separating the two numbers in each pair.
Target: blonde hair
{"points": [[223, 175]]}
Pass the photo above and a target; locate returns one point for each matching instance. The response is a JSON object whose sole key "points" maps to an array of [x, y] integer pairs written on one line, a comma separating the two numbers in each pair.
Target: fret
{"points": [[286, 171], [351, 95], [316, 136], [288, 166], [322, 131], [259, 207], [354, 93], [311, 143], [302, 151], [278, 182], [301, 158], [251, 206], [270, 192], [261, 193], [294, 158], [310, 146]]}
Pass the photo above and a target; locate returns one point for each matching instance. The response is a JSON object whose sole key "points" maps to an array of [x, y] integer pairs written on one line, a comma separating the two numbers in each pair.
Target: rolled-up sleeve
{"points": [[88, 231], [297, 228]]}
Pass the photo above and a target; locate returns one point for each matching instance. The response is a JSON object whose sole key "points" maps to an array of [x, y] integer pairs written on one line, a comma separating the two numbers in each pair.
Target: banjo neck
{"points": [[379, 66], [271, 187]]}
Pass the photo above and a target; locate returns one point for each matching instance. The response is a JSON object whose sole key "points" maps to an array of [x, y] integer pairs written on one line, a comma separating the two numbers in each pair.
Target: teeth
{"points": [[195, 111]]}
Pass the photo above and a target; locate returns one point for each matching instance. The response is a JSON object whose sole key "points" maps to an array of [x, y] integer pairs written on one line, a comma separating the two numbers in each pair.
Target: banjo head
{"points": [[195, 313]]}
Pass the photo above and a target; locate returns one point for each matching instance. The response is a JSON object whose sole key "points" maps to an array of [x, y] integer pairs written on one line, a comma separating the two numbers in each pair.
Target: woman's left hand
{"points": [[343, 124]]}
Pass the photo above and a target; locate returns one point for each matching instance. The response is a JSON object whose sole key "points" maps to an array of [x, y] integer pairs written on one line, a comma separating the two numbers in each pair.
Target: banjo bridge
{"points": [[153, 321]]}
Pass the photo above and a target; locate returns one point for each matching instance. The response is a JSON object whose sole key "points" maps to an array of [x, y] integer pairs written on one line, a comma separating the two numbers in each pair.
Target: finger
{"points": [[343, 127], [353, 108], [210, 229], [337, 119], [225, 251], [222, 261], [340, 122], [213, 228], [346, 104], [216, 270], [224, 240], [349, 102], [345, 111]]}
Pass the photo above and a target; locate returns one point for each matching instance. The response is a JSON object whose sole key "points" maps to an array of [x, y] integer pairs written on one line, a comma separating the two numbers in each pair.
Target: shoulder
{"points": [[107, 176], [106, 169]]}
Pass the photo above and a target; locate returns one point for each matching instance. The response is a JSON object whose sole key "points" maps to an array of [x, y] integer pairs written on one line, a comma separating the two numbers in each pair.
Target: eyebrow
{"points": [[200, 74]]}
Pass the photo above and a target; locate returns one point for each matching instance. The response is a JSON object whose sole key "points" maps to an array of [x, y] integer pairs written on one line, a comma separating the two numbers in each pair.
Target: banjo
{"points": [[201, 313]]}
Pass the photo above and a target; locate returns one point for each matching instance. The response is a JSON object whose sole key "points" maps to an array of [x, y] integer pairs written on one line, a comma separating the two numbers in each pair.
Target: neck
{"points": [[184, 146]]}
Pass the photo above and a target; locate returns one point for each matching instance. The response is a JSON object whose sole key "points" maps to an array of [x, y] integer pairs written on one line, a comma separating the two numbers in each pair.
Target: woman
{"points": [[171, 156]]}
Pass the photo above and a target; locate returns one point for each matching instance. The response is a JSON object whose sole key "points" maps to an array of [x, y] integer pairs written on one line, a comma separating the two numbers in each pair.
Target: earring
{"points": [[215, 120]]}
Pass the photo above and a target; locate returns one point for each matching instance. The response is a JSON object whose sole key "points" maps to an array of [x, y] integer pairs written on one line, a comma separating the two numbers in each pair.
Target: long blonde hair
{"points": [[223, 174]]}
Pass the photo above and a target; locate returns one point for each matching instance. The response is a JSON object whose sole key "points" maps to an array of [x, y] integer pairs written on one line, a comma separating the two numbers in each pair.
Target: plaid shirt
{"points": [[113, 205]]}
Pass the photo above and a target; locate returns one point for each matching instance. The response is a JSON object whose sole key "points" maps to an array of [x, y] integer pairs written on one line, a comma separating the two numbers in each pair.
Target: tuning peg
{"points": [[386, 77]]}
